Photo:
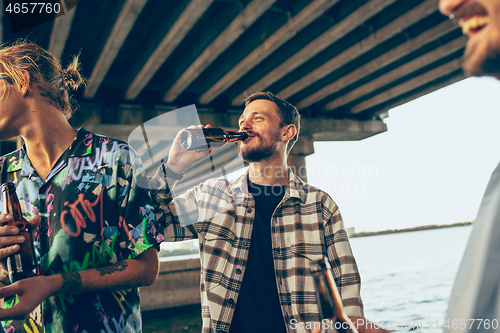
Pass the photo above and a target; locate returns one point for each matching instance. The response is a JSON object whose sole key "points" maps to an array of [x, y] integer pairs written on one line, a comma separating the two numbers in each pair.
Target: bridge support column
{"points": [[297, 157]]}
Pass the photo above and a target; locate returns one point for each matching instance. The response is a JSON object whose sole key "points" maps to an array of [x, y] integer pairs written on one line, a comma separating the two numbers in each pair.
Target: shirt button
{"points": [[249, 210], [238, 271], [230, 301]]}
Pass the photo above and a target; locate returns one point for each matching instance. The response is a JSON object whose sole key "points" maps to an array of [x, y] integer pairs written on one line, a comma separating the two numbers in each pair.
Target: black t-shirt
{"points": [[258, 308]]}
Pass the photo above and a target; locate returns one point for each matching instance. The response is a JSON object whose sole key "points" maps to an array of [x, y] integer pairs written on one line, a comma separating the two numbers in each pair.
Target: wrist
{"points": [[173, 172], [69, 283], [175, 168], [55, 282]]}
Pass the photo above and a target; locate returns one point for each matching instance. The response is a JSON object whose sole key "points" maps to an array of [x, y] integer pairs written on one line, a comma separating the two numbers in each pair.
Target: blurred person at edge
{"points": [[258, 233], [474, 304], [92, 260]]}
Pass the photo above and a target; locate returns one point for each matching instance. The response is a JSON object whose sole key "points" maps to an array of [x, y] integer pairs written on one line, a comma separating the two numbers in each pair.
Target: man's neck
{"points": [[269, 172], [47, 135]]}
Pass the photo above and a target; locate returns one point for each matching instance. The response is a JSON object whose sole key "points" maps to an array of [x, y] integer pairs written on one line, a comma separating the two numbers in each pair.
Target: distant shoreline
{"points": [[419, 228]]}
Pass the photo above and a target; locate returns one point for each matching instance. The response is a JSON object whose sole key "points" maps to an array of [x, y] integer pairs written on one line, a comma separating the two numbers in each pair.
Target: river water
{"points": [[406, 278]]}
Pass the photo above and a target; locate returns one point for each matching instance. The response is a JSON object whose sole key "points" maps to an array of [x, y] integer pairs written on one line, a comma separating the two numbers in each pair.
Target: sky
{"points": [[430, 167]]}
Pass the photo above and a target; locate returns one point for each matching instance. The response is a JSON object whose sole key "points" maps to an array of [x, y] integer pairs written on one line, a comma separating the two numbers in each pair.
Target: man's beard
{"points": [[489, 63], [489, 67], [262, 151]]}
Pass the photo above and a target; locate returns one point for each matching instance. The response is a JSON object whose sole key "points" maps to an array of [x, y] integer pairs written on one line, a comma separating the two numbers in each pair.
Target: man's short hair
{"points": [[287, 112]]}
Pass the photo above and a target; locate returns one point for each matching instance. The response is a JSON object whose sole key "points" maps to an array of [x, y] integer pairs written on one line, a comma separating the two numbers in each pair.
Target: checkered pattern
{"points": [[306, 226]]}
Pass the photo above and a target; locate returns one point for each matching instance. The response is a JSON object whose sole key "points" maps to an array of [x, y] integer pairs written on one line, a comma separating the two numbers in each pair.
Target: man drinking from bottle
{"points": [[259, 233]]}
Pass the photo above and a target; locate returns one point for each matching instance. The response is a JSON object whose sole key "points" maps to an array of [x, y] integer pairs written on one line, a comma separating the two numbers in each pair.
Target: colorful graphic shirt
{"points": [[97, 216]]}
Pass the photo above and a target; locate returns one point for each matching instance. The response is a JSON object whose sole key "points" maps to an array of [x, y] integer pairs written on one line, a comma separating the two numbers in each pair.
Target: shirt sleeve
{"points": [[138, 226], [344, 267], [176, 218]]}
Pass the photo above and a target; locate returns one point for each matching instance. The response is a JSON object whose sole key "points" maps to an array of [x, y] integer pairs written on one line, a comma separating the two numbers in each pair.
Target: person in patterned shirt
{"points": [[259, 233], [97, 244]]}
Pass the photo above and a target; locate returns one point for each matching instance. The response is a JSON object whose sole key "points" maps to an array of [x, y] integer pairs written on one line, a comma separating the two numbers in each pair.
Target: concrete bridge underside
{"points": [[343, 63]]}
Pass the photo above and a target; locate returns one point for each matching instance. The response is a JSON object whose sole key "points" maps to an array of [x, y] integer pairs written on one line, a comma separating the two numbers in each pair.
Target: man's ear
{"points": [[289, 132], [25, 84]]}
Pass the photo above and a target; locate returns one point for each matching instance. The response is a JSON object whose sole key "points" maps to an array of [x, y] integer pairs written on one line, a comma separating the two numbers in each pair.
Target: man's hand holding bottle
{"points": [[179, 159], [194, 143]]}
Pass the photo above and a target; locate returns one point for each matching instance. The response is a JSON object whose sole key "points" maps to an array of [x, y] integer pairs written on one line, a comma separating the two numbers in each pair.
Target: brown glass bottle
{"points": [[197, 138], [331, 309], [21, 264]]}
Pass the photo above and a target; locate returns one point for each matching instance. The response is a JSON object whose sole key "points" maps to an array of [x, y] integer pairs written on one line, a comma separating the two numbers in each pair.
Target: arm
{"points": [[344, 267], [176, 217], [129, 273], [338, 247]]}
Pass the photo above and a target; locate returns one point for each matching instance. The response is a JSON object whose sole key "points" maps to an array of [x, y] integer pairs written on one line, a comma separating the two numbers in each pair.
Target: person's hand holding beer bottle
{"points": [[179, 159], [331, 310], [10, 240]]}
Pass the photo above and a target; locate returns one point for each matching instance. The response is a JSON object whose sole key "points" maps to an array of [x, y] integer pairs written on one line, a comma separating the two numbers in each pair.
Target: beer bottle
{"points": [[331, 309], [201, 139], [21, 264]]}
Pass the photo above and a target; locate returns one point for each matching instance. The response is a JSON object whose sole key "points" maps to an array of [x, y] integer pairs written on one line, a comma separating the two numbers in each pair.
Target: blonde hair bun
{"points": [[71, 76]]}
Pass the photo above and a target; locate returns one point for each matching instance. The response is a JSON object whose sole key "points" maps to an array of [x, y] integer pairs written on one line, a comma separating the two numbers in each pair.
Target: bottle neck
{"points": [[10, 201], [235, 136]]}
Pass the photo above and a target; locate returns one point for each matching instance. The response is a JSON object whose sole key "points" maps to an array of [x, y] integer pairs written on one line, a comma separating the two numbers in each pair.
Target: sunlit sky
{"points": [[431, 166]]}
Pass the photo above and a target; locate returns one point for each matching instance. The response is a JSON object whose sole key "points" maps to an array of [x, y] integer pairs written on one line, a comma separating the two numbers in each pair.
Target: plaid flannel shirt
{"points": [[305, 226]]}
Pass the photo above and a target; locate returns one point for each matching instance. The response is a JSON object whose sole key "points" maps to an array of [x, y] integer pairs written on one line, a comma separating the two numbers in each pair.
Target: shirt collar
{"points": [[82, 145], [295, 186], [15, 161], [19, 161]]}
